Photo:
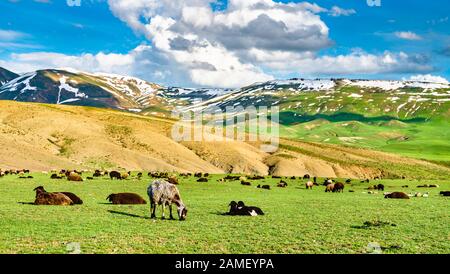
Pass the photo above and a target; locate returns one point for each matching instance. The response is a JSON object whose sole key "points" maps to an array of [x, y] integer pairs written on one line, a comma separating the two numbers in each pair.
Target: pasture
{"points": [[296, 221]]}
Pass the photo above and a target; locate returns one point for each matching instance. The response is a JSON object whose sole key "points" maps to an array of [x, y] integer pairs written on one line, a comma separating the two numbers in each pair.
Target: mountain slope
{"points": [[44, 137], [71, 87], [406, 117], [6, 76]]}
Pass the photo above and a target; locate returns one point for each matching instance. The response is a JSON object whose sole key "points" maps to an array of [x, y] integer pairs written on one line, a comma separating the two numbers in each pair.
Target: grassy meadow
{"points": [[296, 221]]}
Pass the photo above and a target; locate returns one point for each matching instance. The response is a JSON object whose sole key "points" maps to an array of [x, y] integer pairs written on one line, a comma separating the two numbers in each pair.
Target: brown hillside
{"points": [[43, 137]]}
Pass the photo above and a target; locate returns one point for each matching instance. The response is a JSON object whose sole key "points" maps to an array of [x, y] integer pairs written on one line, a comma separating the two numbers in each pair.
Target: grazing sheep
{"points": [[380, 187], [264, 187], [293, 178], [46, 198], [198, 175], [246, 183], [174, 180], [164, 193], [240, 209], [330, 188], [125, 175], [348, 181], [74, 177], [309, 185], [115, 175], [282, 184], [126, 199], [327, 182], [307, 176], [445, 193], [75, 199], [396, 195], [339, 187], [202, 180]]}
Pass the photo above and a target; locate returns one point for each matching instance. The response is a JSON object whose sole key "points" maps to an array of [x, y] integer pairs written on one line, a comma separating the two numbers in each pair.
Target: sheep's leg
{"points": [[171, 215], [153, 210], [163, 211]]}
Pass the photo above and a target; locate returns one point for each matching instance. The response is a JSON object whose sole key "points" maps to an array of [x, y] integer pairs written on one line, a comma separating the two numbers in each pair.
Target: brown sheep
{"points": [[74, 177], [46, 198], [330, 188], [173, 180], [339, 187], [125, 175], [396, 195], [246, 183], [115, 175], [309, 185], [75, 199], [202, 180], [126, 199]]}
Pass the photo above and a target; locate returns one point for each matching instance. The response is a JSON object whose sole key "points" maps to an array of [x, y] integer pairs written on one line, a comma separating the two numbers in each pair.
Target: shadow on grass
{"points": [[370, 224], [25, 203], [128, 214]]}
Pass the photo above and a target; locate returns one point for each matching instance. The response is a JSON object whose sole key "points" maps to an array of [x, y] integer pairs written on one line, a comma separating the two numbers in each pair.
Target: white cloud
{"points": [[428, 78], [407, 35], [249, 41], [337, 11]]}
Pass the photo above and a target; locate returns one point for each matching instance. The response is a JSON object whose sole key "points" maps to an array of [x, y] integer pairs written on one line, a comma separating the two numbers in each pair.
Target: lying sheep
{"points": [[445, 193], [46, 198], [126, 199], [75, 199], [202, 180], [396, 195], [240, 209], [267, 187], [246, 183], [74, 177], [165, 194]]}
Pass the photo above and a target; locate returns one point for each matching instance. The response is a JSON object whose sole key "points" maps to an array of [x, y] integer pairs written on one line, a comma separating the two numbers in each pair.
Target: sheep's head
{"points": [[182, 212], [39, 189]]}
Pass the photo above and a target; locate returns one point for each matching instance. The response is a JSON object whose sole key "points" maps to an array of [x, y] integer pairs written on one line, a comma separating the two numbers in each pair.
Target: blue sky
{"points": [[397, 40]]}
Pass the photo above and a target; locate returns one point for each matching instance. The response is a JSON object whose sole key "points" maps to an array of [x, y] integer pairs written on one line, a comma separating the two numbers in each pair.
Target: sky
{"points": [[229, 43]]}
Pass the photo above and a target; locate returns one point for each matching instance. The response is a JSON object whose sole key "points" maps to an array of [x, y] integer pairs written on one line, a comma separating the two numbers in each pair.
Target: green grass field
{"points": [[296, 221]]}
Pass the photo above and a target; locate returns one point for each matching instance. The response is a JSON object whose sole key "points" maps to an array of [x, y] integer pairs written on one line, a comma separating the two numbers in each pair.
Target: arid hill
{"points": [[43, 137]]}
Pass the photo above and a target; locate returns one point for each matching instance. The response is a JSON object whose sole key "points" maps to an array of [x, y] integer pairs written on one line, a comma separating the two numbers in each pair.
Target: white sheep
{"points": [[164, 193]]}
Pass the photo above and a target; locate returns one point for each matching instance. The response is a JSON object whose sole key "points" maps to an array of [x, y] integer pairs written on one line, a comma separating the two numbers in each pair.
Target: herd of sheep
{"points": [[164, 192]]}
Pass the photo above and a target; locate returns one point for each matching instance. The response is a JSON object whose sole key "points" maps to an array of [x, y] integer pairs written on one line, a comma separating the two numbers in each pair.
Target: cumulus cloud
{"points": [[407, 35], [244, 42], [428, 78]]}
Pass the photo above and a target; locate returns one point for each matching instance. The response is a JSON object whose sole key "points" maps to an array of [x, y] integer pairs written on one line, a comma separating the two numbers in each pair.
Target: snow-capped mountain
{"points": [[301, 97], [294, 97], [6, 76], [72, 87]]}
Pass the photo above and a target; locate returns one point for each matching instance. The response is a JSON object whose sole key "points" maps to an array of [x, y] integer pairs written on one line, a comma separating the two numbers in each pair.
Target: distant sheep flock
{"points": [[163, 191]]}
